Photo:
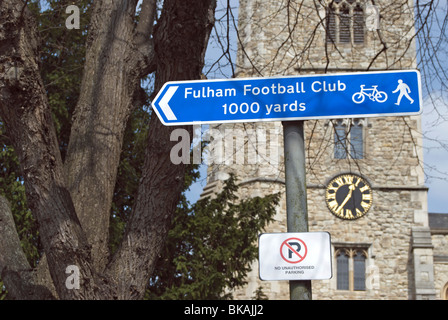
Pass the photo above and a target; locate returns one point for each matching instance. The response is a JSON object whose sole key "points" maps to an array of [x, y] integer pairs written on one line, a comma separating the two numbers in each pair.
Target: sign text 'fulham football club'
{"points": [[386, 93]]}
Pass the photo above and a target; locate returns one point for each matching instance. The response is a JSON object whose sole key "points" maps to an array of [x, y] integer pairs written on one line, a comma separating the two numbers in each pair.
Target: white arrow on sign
{"points": [[164, 103]]}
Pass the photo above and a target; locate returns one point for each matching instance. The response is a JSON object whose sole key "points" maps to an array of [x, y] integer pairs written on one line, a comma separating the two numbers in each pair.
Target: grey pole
{"points": [[296, 202]]}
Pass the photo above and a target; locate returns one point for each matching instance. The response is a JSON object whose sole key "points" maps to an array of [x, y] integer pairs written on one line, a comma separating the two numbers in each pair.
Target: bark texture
{"points": [[25, 112], [71, 201], [180, 41], [15, 270], [110, 79]]}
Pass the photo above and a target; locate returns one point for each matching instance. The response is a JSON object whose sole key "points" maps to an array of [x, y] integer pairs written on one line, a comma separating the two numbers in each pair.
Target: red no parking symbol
{"points": [[293, 250]]}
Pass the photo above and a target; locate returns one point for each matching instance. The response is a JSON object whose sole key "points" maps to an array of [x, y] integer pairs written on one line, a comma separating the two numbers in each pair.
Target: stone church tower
{"points": [[381, 248]]}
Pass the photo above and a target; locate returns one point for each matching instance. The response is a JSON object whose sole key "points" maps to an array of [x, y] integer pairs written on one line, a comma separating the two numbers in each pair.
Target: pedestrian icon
{"points": [[404, 91]]}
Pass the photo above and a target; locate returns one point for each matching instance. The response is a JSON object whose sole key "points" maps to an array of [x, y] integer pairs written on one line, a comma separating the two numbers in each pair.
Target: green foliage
{"points": [[11, 187], [210, 246], [259, 295]]}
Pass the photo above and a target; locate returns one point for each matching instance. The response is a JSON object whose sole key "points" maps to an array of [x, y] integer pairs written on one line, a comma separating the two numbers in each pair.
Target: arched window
{"points": [[358, 24], [359, 271], [357, 139], [351, 269], [349, 138], [345, 22], [342, 270], [340, 139]]}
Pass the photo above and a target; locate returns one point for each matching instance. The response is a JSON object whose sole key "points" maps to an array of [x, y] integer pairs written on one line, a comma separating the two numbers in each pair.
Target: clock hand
{"points": [[349, 195]]}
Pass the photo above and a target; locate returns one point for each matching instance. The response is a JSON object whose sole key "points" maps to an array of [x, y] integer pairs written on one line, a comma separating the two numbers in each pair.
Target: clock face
{"points": [[348, 196]]}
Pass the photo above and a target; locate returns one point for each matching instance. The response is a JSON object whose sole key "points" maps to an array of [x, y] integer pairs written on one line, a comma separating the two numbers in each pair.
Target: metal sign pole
{"points": [[296, 201]]}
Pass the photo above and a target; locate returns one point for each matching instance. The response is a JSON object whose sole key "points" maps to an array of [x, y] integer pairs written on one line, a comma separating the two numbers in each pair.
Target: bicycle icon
{"points": [[372, 93]]}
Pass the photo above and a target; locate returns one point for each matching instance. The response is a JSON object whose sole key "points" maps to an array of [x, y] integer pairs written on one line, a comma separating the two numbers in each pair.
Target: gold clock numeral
{"points": [[348, 179], [366, 196], [349, 214], [333, 205], [331, 196], [339, 181], [365, 206], [365, 188]]}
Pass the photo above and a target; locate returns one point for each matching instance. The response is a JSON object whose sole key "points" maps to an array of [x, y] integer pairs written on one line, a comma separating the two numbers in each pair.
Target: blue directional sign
{"points": [[349, 95]]}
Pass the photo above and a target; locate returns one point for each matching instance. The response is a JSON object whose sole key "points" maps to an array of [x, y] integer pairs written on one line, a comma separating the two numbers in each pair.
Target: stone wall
{"points": [[440, 243], [286, 37]]}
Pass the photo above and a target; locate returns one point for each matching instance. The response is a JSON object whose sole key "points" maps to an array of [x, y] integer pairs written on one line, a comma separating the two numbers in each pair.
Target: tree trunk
{"points": [[71, 201], [109, 82], [180, 41], [26, 114]]}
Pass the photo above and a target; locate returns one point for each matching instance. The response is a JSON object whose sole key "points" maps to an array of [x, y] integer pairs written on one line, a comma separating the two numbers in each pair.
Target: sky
{"points": [[434, 129]]}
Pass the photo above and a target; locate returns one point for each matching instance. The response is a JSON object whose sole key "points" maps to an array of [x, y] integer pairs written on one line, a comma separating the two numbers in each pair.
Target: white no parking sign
{"points": [[295, 256]]}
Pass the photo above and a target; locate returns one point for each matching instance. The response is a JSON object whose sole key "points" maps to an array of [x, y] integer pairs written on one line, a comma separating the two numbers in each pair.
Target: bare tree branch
{"points": [[143, 39]]}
